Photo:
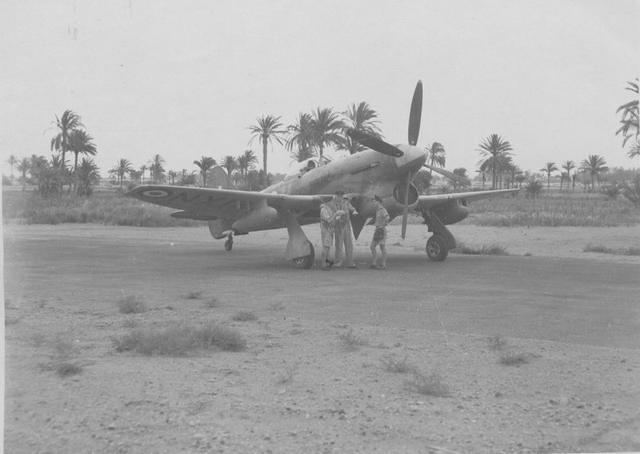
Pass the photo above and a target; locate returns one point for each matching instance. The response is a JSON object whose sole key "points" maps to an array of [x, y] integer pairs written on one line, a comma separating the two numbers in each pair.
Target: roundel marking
{"points": [[155, 193]]}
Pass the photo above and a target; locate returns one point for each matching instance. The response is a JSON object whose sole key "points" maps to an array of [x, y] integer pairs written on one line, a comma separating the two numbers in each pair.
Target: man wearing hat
{"points": [[380, 234]]}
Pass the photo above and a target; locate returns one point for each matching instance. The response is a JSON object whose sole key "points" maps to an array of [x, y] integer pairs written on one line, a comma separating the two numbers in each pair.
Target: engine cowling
{"points": [[399, 190]]}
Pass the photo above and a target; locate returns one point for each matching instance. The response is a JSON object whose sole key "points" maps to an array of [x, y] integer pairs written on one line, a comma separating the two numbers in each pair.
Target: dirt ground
{"points": [[321, 372]]}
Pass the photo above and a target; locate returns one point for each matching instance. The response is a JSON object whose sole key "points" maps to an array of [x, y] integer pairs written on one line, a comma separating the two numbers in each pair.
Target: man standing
{"points": [[327, 229], [380, 234], [344, 235]]}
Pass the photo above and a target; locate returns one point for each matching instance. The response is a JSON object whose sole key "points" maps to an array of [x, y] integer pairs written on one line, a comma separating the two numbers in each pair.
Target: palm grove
{"points": [[310, 135]]}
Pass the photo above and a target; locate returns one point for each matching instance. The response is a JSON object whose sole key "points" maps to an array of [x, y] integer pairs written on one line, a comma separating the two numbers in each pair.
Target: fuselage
{"points": [[361, 176]]}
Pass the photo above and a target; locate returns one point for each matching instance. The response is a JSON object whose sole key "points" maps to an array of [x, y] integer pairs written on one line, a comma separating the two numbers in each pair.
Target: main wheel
{"points": [[228, 245], [305, 262], [436, 248]]}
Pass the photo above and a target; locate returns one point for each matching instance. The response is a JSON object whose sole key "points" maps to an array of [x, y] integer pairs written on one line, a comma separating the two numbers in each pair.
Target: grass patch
{"points": [[181, 340], [351, 341], [212, 302], [109, 208], [493, 249], [428, 384], [65, 369], [575, 209], [244, 316], [496, 342], [395, 365], [193, 295], [635, 251], [512, 358], [131, 304]]}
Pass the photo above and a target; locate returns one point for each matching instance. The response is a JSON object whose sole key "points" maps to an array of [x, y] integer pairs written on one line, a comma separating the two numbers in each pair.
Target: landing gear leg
{"points": [[299, 248], [441, 241], [228, 245]]}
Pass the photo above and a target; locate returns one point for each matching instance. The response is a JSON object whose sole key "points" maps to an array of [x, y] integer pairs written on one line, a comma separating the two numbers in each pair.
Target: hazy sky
{"points": [[186, 78]]}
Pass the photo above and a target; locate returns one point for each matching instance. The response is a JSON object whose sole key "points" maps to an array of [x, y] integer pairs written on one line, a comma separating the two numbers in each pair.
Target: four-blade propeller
{"points": [[415, 115]]}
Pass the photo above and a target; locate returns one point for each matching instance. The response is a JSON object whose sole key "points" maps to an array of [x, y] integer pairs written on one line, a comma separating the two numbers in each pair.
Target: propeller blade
{"points": [[405, 211], [452, 176], [374, 143], [415, 114]]}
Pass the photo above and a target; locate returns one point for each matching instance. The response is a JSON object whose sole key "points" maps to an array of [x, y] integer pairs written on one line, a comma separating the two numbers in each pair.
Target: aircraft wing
{"points": [[432, 200], [209, 203]]}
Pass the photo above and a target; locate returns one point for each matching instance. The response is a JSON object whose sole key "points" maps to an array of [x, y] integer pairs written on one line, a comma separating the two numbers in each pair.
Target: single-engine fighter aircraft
{"points": [[385, 170]]}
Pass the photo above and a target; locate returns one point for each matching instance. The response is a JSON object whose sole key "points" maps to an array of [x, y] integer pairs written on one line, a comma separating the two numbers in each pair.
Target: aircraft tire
{"points": [[228, 245], [436, 248], [305, 262]]}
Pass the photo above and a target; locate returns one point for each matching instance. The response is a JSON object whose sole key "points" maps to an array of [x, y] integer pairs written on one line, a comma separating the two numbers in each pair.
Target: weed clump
{"points": [[351, 341], [635, 251], [244, 316], [180, 340], [512, 358], [193, 295], [65, 369], [131, 304], [428, 384], [497, 342], [395, 365]]}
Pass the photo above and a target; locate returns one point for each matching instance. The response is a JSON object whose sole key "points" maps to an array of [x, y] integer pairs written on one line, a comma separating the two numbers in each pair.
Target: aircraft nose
{"points": [[412, 159]]}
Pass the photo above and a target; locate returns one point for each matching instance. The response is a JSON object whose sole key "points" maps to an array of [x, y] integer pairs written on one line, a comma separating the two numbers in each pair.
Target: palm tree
{"points": [[80, 142], [143, 168], [12, 162], [361, 118], [204, 164], [266, 129], [548, 168], [245, 162], [629, 118], [121, 169], [23, 167], [230, 164], [301, 136], [65, 124], [326, 128], [172, 175], [435, 155], [88, 176], [594, 165], [156, 169], [494, 147], [568, 166], [634, 151]]}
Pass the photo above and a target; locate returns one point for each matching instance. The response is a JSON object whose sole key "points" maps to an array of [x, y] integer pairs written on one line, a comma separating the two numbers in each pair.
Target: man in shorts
{"points": [[379, 235]]}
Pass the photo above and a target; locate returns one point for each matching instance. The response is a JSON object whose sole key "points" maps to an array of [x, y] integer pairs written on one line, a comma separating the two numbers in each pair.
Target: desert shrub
{"points": [[428, 384], [193, 295], [611, 191], [512, 358], [180, 340], [244, 316], [212, 302], [351, 341], [396, 365], [131, 304], [492, 249]]}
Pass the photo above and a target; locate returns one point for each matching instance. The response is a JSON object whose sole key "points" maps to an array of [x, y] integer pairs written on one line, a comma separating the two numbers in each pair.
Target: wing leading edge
{"points": [[209, 203], [433, 200]]}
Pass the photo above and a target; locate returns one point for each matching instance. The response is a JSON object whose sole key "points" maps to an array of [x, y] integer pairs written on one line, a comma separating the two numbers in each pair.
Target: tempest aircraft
{"points": [[385, 170]]}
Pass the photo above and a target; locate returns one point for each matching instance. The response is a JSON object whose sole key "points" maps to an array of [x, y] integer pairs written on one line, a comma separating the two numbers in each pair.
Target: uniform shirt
{"points": [[326, 217]]}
